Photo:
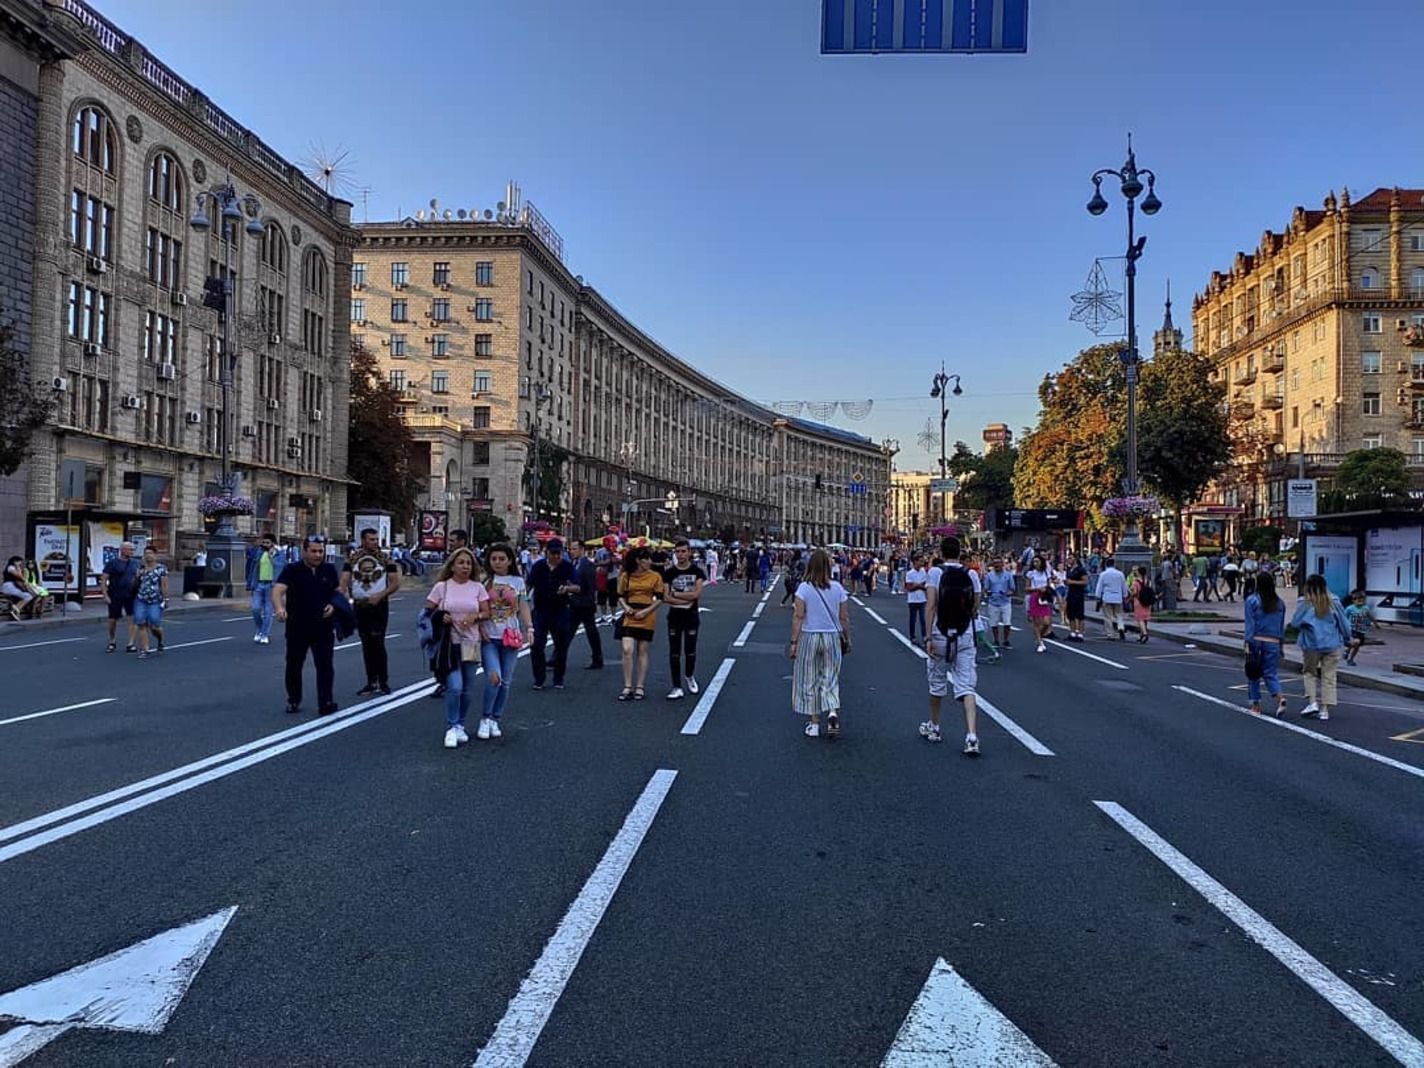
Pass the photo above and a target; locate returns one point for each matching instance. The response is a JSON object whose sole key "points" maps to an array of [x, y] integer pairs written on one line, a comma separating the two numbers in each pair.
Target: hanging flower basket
{"points": [[219, 505], [1127, 507]]}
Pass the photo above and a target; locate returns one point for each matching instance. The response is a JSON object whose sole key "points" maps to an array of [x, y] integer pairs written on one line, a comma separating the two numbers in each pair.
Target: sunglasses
{"points": [[314, 539]]}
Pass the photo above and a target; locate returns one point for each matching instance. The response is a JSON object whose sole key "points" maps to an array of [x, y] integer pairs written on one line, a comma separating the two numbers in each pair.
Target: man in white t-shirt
{"points": [[915, 580], [1112, 592], [951, 662]]}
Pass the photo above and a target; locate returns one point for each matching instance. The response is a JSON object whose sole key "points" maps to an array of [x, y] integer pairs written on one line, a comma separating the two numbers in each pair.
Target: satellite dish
{"points": [[488, 214], [420, 214], [447, 214], [461, 213], [500, 206], [434, 204]]}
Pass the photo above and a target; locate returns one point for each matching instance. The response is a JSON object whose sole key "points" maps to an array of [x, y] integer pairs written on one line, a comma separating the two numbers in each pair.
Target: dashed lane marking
{"points": [[1348, 1001], [909, 644], [1029, 742], [709, 698], [1083, 652], [744, 635], [36, 645], [56, 711], [189, 645]]}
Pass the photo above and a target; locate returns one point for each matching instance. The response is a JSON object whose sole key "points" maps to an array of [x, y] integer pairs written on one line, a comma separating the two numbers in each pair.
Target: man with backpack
{"points": [[952, 609]]}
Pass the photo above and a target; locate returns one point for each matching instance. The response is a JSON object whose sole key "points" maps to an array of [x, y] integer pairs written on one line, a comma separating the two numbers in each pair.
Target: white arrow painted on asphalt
{"points": [[133, 989], [951, 1023]]}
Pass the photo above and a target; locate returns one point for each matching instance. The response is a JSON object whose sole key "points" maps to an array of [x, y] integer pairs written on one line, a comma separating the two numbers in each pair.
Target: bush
{"points": [[1262, 540]]}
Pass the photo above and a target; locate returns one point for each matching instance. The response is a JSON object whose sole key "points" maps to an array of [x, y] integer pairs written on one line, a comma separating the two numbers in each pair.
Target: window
{"points": [[1371, 441], [1416, 242], [1369, 278], [165, 182], [440, 311], [88, 314], [398, 311], [398, 379], [529, 318], [440, 346], [482, 381], [1317, 369], [160, 338], [1295, 341], [1416, 366], [1295, 379], [398, 346], [93, 139], [440, 409], [531, 282], [1295, 417], [163, 256], [1371, 323], [484, 310], [314, 274], [1371, 404], [358, 275], [441, 274], [480, 417], [484, 344], [1417, 410], [358, 309], [272, 249], [480, 486], [91, 225], [439, 381], [480, 451], [484, 273], [1370, 363], [212, 357], [313, 332], [88, 408], [1417, 450], [272, 310], [1416, 283], [1367, 239], [400, 274]]}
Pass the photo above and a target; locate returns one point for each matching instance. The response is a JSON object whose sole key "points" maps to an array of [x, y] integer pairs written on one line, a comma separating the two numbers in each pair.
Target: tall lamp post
{"points": [[1132, 551], [226, 552], [542, 396], [938, 390]]}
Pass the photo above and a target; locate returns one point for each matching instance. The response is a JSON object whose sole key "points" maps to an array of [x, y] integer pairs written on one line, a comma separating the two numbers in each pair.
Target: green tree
{"points": [[380, 443], [486, 528], [1369, 478], [1182, 430], [986, 479], [23, 410], [552, 462]]}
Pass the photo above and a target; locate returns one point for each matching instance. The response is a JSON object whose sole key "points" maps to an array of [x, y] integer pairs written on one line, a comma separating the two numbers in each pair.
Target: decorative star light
{"points": [[1098, 304]]}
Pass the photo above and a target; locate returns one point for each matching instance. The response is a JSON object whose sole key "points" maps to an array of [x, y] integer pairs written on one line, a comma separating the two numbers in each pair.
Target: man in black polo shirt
{"points": [[302, 599], [551, 583]]}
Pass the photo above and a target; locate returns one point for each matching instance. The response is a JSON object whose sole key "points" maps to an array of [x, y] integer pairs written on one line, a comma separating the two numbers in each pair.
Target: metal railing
{"points": [[165, 80], [110, 37]]}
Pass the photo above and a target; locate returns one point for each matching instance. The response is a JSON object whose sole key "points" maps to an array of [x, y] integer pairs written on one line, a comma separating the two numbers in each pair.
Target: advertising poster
{"points": [[56, 548], [105, 537], [1209, 535], [379, 521], [432, 530], [1392, 559], [1332, 555]]}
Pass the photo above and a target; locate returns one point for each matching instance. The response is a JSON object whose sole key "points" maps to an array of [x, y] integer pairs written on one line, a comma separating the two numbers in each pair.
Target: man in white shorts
{"points": [[999, 602], [950, 667]]}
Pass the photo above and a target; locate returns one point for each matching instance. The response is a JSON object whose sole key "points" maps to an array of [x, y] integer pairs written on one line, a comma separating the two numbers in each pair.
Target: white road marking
{"points": [[36, 645], [909, 644], [189, 645], [951, 1023], [857, 600], [56, 711], [1032, 744], [16, 830], [1356, 1008], [1091, 656], [873, 614], [746, 633], [133, 989], [1316, 735], [237, 619], [518, 1031], [708, 698], [352, 645], [756, 612]]}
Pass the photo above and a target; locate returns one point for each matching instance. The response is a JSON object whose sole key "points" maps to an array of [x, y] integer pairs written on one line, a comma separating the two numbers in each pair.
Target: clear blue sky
{"points": [[808, 227]]}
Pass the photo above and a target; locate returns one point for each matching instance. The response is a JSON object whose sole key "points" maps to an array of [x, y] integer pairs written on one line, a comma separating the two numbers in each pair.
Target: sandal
{"points": [[638, 695], [131, 649], [812, 730], [626, 695], [833, 724], [111, 648]]}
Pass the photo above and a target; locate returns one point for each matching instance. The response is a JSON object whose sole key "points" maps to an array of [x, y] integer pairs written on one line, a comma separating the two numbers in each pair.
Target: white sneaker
{"points": [[452, 738], [256, 638], [460, 734], [930, 731], [483, 733], [1310, 709], [1324, 714], [971, 745], [692, 686], [1040, 648], [675, 694], [494, 731], [266, 640]]}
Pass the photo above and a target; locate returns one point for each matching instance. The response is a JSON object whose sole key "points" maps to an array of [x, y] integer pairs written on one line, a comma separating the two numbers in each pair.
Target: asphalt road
{"points": [[787, 898]]}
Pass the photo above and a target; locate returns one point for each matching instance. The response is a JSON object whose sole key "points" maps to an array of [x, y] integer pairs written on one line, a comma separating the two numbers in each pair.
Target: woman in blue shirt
{"points": [[1265, 630], [1323, 631]]}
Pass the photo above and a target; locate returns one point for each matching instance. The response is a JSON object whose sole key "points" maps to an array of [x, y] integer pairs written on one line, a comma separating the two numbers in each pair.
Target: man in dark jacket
{"points": [[551, 584], [581, 604], [302, 597]]}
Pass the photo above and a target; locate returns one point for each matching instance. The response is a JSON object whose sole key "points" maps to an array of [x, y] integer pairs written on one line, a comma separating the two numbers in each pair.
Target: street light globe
{"points": [[199, 221], [1151, 205], [957, 391], [1097, 205]]}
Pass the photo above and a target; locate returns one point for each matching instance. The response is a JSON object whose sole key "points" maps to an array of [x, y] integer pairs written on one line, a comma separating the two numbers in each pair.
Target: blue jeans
{"points": [[496, 697], [148, 614], [262, 609], [1270, 671], [459, 685], [917, 614]]}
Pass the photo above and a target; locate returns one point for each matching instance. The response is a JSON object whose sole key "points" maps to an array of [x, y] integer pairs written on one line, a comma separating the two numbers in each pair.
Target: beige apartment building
{"points": [[1319, 335], [914, 509], [494, 342], [118, 329]]}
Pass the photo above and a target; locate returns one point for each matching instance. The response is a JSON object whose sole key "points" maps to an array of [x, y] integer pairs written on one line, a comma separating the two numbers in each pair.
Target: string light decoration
{"points": [[1097, 304]]}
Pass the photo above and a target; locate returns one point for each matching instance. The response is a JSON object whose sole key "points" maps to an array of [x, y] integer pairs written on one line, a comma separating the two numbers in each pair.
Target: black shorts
{"points": [[119, 608], [638, 634], [683, 623], [1076, 609]]}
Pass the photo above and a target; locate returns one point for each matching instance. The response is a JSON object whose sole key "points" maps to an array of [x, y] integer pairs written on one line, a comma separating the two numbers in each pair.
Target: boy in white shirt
{"points": [[951, 664], [915, 580]]}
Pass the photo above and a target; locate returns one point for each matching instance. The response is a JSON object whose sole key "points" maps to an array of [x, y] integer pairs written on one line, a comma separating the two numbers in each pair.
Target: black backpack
{"points": [[954, 604], [1147, 596]]}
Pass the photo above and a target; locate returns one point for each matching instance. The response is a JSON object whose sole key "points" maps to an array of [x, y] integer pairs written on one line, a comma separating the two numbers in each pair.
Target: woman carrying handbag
{"points": [[820, 636], [508, 630], [460, 604]]}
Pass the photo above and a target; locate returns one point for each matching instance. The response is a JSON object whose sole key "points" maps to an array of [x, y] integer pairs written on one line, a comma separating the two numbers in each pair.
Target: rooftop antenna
{"points": [[365, 192]]}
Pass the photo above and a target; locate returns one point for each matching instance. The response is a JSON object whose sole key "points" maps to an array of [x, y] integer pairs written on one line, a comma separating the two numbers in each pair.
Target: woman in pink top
{"points": [[463, 604]]}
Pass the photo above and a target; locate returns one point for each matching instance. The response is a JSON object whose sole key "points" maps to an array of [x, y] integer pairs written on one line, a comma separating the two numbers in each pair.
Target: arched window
{"points": [[314, 303], [1416, 282], [273, 250], [165, 183], [94, 141], [1369, 278], [314, 274]]}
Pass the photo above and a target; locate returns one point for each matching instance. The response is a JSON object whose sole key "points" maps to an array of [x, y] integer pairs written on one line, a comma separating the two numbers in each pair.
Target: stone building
{"points": [[914, 508], [1319, 335], [123, 147], [494, 343]]}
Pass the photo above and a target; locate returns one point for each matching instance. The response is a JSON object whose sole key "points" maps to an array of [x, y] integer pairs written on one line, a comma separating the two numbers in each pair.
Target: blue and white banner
{"points": [[856, 26]]}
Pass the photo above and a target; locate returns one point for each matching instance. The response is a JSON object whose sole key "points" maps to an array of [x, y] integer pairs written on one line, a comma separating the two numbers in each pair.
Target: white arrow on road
{"points": [[951, 1023], [133, 989]]}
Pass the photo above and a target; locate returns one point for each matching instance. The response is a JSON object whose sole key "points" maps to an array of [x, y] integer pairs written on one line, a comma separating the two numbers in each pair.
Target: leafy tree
{"points": [[486, 528], [987, 479], [380, 443], [552, 461], [23, 410], [1182, 428], [1369, 478], [1262, 540]]}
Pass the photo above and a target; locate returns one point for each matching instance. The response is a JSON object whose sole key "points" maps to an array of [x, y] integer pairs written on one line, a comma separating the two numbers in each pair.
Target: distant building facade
{"points": [[997, 436]]}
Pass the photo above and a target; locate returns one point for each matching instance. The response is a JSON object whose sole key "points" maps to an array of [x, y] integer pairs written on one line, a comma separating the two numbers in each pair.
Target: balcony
{"points": [[1272, 402], [1414, 336], [1274, 364], [408, 395], [1246, 377], [1243, 409]]}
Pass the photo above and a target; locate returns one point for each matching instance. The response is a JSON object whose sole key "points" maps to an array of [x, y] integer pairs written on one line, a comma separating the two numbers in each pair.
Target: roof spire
{"points": [[1167, 316]]}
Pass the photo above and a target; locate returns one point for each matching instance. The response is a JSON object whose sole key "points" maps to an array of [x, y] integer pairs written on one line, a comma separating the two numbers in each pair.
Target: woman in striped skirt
{"points": [[819, 626]]}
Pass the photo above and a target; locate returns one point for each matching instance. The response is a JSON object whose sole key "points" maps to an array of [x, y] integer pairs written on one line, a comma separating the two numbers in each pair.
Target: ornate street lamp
{"points": [[1132, 551]]}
